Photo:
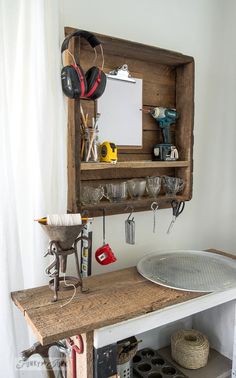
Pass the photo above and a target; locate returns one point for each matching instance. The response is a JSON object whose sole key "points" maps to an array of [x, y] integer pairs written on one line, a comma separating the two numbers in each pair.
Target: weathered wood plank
{"points": [[96, 310], [124, 207], [132, 49], [135, 156], [112, 298], [84, 361], [184, 133], [42, 296], [125, 173], [158, 80], [135, 164], [73, 147], [150, 138]]}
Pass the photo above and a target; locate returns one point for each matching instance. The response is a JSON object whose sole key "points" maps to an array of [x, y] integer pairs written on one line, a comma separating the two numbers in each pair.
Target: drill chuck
{"points": [[160, 113]]}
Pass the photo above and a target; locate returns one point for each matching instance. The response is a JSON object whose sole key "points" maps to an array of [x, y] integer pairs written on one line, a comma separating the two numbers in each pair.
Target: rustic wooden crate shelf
{"points": [[135, 164], [168, 81]]}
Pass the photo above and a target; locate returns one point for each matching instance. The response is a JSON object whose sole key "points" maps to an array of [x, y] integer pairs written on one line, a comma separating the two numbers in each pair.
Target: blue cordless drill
{"points": [[165, 117]]}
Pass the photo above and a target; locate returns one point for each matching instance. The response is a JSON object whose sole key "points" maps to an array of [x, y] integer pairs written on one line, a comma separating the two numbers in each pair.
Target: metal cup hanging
{"points": [[130, 229]]}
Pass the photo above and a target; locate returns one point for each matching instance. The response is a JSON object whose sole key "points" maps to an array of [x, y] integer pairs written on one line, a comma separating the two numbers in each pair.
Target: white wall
{"points": [[218, 324], [205, 30], [159, 337]]}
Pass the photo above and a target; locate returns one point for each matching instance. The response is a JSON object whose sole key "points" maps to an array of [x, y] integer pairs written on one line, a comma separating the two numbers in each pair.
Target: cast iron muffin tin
{"points": [[147, 363]]}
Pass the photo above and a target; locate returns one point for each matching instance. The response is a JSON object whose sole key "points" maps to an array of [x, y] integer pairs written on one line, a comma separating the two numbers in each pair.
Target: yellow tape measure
{"points": [[108, 152]]}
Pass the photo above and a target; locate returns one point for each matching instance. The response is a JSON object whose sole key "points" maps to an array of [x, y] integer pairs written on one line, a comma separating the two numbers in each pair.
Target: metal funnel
{"points": [[65, 235]]}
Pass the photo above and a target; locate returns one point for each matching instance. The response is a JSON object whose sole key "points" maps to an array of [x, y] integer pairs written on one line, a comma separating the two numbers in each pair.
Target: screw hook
{"points": [[154, 208]]}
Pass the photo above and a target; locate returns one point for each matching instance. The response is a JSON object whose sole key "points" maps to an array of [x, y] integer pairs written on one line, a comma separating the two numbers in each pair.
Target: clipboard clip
{"points": [[121, 73]]}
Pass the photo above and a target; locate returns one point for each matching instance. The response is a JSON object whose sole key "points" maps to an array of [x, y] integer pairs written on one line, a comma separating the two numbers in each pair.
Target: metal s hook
{"points": [[131, 212]]}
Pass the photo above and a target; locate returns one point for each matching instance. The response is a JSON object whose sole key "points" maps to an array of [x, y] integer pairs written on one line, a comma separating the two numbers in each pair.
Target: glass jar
{"points": [[91, 145]]}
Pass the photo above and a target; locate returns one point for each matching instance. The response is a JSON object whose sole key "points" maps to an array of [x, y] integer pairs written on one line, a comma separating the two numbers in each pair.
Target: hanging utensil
{"points": [[104, 255], [177, 209], [86, 249], [130, 228], [154, 208]]}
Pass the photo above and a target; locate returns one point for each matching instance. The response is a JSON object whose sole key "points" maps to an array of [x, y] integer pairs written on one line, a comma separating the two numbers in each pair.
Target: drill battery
{"points": [[165, 151]]}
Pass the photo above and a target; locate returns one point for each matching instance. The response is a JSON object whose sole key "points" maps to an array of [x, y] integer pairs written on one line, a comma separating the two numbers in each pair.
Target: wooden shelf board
{"points": [[218, 366], [135, 164], [143, 204], [111, 298]]}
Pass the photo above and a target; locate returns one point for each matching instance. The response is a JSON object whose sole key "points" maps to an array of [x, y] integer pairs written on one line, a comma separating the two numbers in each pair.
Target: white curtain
{"points": [[32, 155]]}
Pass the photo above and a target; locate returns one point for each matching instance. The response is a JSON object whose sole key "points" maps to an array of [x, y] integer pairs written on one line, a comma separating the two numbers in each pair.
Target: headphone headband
{"points": [[90, 38], [77, 84]]}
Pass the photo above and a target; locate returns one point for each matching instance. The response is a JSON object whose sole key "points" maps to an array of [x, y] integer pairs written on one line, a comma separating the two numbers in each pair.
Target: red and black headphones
{"points": [[76, 83]]}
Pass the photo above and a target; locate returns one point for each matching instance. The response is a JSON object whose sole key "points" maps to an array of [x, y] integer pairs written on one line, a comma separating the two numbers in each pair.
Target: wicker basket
{"points": [[190, 349]]}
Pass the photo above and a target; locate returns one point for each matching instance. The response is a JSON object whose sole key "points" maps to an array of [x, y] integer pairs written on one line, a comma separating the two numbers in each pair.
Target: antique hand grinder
{"points": [[63, 242]]}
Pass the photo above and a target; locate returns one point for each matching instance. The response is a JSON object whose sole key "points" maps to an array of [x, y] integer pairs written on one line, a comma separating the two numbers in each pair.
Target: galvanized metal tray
{"points": [[189, 270]]}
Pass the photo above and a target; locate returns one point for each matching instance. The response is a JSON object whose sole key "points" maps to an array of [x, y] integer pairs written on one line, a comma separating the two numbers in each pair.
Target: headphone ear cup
{"points": [[73, 81], [96, 83]]}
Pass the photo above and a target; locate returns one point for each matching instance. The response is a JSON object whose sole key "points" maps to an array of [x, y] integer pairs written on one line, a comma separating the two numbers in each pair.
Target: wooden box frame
{"points": [[168, 81]]}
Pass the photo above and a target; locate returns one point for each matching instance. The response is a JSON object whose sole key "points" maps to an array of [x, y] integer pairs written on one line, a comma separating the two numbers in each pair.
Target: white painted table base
{"points": [[110, 334]]}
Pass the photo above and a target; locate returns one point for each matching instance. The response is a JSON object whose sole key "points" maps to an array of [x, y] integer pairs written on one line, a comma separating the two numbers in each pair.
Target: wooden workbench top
{"points": [[112, 298]]}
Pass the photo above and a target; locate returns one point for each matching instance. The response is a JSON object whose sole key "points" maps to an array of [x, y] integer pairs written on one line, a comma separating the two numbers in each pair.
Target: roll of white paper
{"points": [[64, 219]]}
